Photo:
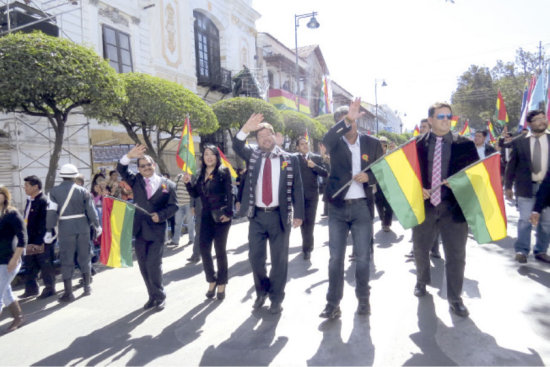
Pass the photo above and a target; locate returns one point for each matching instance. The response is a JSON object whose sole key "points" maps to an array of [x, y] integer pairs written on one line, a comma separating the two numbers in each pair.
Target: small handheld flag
{"points": [[226, 164], [185, 156], [416, 131]]}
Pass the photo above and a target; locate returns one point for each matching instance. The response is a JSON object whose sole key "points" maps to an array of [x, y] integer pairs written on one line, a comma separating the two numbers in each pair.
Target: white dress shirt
{"points": [[356, 189]]}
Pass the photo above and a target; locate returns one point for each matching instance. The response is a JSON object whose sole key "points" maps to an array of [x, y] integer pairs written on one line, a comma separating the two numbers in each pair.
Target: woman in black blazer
{"points": [[213, 186]]}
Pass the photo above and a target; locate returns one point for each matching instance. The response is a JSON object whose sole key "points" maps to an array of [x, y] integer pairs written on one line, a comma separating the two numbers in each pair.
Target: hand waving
{"points": [[136, 152], [253, 123]]}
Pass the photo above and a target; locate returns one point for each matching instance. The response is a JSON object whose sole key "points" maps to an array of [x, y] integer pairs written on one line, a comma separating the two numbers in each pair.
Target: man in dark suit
{"points": [[440, 155], [35, 218], [311, 168], [157, 195], [272, 188], [352, 209], [526, 170], [483, 149]]}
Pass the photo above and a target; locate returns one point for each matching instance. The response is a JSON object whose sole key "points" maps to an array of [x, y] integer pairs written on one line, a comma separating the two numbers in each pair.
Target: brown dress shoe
{"points": [[543, 257], [521, 258]]}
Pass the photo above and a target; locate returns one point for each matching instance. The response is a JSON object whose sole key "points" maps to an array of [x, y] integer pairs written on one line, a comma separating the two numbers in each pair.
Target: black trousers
{"points": [[385, 211], [453, 235], [264, 226], [216, 232], [42, 263], [308, 224], [149, 257]]}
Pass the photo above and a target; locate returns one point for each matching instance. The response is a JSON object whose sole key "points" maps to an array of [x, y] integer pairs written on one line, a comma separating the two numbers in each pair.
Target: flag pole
{"points": [[188, 125], [370, 165], [129, 203]]}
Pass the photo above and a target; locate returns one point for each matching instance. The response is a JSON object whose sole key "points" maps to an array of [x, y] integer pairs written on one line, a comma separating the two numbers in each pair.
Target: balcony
{"points": [[219, 79], [22, 15]]}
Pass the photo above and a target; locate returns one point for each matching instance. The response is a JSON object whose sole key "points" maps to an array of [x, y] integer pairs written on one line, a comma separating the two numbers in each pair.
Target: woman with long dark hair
{"points": [[13, 239], [213, 186]]}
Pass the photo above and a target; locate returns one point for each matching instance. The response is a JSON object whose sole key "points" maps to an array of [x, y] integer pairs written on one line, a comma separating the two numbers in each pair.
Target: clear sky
{"points": [[420, 47]]}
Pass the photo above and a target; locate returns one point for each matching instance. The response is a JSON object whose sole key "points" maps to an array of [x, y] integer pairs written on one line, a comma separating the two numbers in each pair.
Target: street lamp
{"points": [[312, 24], [384, 84]]}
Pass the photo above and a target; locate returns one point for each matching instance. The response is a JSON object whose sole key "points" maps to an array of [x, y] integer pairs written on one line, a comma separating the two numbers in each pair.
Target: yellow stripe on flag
{"points": [[408, 181], [117, 221], [481, 183]]}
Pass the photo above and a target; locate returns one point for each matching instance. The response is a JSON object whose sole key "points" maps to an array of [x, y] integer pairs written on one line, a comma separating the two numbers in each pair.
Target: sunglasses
{"points": [[147, 165], [442, 116]]}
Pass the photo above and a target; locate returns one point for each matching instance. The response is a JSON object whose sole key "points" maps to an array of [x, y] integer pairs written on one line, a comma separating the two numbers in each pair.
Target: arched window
{"points": [[207, 50]]}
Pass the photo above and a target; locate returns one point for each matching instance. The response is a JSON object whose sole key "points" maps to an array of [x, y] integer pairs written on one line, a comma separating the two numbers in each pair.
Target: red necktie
{"points": [[267, 196]]}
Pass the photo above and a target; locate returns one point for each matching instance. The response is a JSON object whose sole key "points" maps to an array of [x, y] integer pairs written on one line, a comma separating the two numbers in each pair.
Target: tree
{"points": [[296, 124], [327, 120], [156, 108], [232, 113], [49, 77]]}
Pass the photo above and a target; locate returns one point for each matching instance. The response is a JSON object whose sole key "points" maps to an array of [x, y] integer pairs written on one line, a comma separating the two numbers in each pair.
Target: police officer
{"points": [[71, 209]]}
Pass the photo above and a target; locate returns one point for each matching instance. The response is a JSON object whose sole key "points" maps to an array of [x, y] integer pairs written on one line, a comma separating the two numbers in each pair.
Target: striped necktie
{"points": [[435, 197]]}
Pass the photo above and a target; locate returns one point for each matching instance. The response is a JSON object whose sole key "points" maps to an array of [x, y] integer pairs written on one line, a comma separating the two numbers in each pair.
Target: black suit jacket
{"points": [[463, 153], [310, 176], [341, 166], [489, 149], [245, 152], [163, 202], [215, 192], [519, 168], [36, 222]]}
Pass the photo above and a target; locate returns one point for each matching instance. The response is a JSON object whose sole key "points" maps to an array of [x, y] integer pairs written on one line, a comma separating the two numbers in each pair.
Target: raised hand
{"points": [[136, 152], [253, 123], [186, 177], [354, 110]]}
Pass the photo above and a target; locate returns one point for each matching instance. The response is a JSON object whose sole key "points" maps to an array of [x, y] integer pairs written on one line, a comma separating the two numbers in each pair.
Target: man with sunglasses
{"points": [[440, 155], [157, 195]]}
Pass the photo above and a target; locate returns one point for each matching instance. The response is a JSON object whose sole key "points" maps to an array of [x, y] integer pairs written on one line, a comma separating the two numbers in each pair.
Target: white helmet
{"points": [[68, 170]]}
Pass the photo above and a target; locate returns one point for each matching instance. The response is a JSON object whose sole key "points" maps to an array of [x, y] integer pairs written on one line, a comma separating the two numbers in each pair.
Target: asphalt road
{"points": [[509, 321]]}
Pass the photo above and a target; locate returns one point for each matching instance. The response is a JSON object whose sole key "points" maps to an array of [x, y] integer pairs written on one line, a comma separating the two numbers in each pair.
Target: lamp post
{"points": [[384, 84], [312, 24]]}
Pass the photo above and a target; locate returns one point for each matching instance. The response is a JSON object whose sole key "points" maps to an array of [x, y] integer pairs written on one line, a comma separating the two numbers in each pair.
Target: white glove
{"points": [[48, 238], [98, 232]]}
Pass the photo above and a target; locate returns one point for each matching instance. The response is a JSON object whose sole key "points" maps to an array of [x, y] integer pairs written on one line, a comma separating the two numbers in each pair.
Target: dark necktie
{"points": [[267, 195], [537, 166], [435, 197]]}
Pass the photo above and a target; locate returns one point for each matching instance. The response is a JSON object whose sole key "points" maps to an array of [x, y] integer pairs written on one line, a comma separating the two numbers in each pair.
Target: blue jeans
{"points": [[184, 216], [523, 242], [6, 295], [354, 217]]}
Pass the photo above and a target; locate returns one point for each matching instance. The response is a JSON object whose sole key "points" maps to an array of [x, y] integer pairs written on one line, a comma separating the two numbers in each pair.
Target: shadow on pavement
{"points": [[539, 276], [461, 344], [333, 351], [386, 239], [251, 344]]}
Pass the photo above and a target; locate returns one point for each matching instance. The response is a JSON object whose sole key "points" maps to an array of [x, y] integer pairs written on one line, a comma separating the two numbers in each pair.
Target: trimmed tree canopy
{"points": [[48, 76], [296, 124], [234, 112]]}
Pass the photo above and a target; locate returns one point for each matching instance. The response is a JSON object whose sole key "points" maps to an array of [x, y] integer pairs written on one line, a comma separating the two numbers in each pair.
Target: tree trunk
{"points": [[56, 154]]}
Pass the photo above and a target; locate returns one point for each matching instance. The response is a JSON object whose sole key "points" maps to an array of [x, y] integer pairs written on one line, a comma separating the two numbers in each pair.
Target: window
{"points": [[207, 50], [116, 48]]}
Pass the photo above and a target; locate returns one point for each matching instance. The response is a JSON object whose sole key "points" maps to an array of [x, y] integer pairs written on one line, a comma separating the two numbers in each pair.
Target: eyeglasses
{"points": [[442, 116], [147, 165]]}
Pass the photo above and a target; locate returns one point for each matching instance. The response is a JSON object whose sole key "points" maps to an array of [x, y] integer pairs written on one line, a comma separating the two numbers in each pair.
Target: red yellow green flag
{"points": [[398, 175], [454, 121], [185, 156], [501, 114], [478, 190], [116, 238], [226, 164], [306, 136], [416, 131], [466, 129], [491, 131]]}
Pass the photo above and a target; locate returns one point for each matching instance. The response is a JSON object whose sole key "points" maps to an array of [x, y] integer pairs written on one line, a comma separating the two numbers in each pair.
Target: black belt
{"points": [[353, 201], [536, 182], [267, 209]]}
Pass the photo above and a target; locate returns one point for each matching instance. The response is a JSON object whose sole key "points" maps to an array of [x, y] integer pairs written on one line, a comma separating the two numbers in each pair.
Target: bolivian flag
{"points": [[116, 239], [226, 164], [416, 131], [185, 156], [398, 175], [478, 190], [465, 130]]}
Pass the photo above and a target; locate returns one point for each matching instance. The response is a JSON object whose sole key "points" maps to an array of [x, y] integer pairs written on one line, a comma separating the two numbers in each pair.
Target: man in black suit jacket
{"points": [[272, 188], [440, 155], [311, 168], [157, 195], [526, 170], [483, 149], [352, 209]]}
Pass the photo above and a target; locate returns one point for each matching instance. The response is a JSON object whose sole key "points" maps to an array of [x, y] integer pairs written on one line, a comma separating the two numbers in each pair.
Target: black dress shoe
{"points": [[28, 294], [160, 304], [435, 254], [542, 257], [363, 308], [331, 312], [307, 255], [149, 304], [260, 300], [275, 308], [420, 290], [46, 292], [459, 309], [194, 259]]}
